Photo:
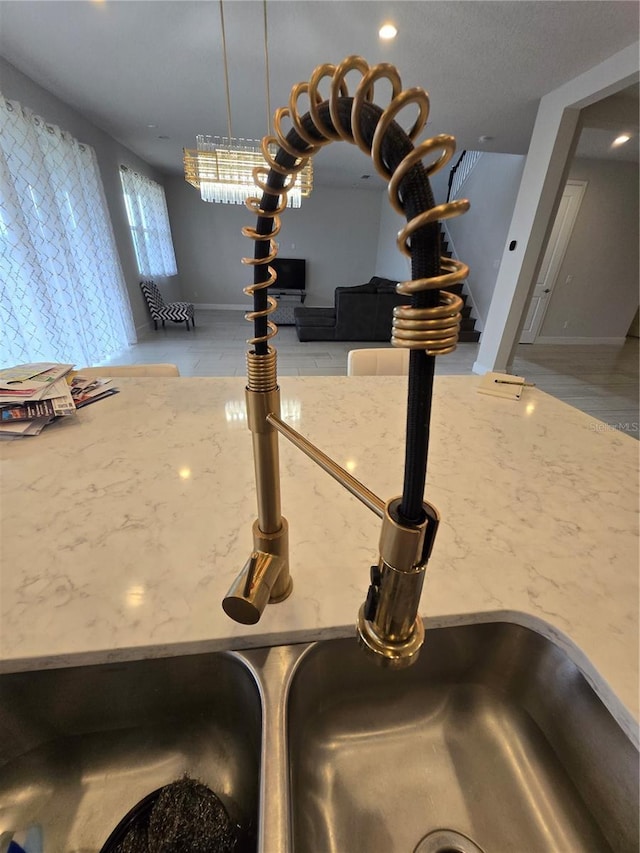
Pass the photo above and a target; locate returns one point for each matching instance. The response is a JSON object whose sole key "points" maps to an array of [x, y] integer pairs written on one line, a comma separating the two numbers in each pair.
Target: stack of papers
{"points": [[34, 395]]}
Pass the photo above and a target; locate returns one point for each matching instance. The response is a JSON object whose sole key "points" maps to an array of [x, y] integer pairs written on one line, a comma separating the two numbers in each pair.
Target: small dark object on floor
{"points": [[183, 817]]}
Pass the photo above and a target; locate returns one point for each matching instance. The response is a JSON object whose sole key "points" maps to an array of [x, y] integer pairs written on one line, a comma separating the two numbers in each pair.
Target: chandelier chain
{"points": [[226, 70], [223, 168], [266, 64]]}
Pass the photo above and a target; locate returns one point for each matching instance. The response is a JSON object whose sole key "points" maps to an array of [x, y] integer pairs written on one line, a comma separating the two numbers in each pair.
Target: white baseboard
{"points": [[246, 306], [547, 339]]}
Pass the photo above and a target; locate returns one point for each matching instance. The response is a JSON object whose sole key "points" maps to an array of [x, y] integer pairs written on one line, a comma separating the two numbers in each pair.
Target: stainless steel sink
{"points": [[493, 741], [80, 747]]}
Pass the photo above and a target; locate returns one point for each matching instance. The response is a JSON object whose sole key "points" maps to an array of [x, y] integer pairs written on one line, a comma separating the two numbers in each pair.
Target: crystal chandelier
{"points": [[222, 167]]}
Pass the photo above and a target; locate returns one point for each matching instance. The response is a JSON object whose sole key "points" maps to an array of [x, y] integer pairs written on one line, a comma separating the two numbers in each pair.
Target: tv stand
{"points": [[288, 300]]}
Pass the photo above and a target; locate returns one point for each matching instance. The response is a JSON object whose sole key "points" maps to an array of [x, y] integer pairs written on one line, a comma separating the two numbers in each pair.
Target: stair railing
{"points": [[461, 171]]}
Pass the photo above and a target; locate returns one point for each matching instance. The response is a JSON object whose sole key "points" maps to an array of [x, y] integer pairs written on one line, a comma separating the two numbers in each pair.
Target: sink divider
{"points": [[273, 669]]}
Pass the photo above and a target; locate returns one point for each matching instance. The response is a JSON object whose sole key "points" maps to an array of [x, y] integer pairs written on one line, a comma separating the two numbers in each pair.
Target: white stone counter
{"points": [[124, 526]]}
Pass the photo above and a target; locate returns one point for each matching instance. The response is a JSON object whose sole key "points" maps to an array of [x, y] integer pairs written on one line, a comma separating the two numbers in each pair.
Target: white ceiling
{"points": [[128, 64]]}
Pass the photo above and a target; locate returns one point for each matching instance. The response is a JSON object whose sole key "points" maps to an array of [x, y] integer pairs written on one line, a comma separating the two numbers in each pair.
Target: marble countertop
{"points": [[124, 525]]}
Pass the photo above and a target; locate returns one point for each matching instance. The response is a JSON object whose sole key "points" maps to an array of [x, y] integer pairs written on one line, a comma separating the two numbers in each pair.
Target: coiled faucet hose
{"points": [[415, 192]]}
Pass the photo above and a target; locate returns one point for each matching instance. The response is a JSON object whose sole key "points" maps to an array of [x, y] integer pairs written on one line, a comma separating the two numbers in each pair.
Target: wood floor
{"points": [[599, 380]]}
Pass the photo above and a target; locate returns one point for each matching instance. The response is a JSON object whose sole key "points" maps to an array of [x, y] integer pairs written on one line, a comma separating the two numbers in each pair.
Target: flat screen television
{"points": [[292, 273]]}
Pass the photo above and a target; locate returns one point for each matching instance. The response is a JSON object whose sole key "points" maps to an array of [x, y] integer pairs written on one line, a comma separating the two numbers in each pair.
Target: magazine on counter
{"points": [[19, 429], [35, 409], [85, 390], [30, 381]]}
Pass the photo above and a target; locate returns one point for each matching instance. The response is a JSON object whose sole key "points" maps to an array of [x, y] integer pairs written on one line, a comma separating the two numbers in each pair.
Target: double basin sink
{"points": [[493, 741]]}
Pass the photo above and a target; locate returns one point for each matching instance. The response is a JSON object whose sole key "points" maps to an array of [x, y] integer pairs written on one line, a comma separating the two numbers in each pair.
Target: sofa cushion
{"points": [[315, 333], [318, 317], [356, 315], [367, 287], [383, 285], [388, 287]]}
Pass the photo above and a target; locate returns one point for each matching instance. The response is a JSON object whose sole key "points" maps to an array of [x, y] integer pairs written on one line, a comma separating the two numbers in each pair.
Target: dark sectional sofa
{"points": [[360, 313]]}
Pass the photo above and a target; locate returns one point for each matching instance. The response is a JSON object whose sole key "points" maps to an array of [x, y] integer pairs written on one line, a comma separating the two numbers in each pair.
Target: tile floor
{"points": [[599, 380]]}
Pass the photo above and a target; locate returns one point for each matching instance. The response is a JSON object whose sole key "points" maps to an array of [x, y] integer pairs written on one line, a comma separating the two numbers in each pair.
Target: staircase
{"points": [[468, 331]]}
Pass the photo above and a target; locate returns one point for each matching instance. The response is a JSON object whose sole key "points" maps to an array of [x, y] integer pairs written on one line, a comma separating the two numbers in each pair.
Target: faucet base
{"points": [[393, 655]]}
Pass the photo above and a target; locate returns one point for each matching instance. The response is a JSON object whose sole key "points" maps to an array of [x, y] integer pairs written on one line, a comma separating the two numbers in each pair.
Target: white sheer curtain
{"points": [[62, 292], [149, 221]]}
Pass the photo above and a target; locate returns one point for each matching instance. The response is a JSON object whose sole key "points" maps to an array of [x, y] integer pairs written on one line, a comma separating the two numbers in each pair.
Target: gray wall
{"points": [[390, 262], [479, 236], [16, 86], [602, 257], [335, 230]]}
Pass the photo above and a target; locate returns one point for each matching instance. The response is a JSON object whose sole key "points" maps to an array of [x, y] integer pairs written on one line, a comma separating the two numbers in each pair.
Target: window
{"points": [[62, 292], [149, 221]]}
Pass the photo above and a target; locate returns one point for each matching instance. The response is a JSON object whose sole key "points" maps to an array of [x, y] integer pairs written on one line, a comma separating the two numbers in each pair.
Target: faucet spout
{"points": [[389, 625]]}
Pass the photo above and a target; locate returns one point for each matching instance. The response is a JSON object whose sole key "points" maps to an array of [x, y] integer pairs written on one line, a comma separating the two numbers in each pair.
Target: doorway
{"points": [[554, 255]]}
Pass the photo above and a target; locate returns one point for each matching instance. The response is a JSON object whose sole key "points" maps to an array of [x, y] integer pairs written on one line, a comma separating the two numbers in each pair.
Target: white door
{"points": [[553, 257]]}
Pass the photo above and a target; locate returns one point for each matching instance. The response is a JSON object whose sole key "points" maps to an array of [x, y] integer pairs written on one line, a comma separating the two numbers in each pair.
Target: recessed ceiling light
{"points": [[620, 140], [485, 138], [387, 31], [163, 137], [152, 125]]}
